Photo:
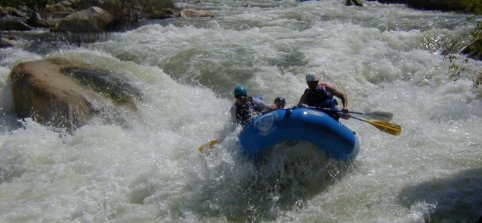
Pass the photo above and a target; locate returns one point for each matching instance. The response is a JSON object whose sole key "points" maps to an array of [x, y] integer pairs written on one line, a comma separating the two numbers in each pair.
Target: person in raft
{"points": [[245, 108], [279, 102], [320, 95]]}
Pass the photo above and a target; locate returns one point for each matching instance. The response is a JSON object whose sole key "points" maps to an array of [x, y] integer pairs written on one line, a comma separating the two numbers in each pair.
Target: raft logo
{"points": [[264, 124]]}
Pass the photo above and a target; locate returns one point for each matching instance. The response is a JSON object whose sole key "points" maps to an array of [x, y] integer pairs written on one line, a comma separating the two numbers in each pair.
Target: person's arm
{"points": [[302, 100], [339, 94], [261, 105], [234, 115], [271, 107], [343, 97]]}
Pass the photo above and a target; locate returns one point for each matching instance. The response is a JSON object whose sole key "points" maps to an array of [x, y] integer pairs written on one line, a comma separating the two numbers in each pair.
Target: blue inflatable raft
{"points": [[304, 124]]}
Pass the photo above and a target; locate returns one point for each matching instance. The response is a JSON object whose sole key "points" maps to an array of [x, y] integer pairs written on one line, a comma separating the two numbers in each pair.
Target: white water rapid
{"points": [[147, 169]]}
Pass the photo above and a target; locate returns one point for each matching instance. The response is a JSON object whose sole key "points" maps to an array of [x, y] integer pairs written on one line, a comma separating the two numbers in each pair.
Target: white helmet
{"points": [[311, 77]]}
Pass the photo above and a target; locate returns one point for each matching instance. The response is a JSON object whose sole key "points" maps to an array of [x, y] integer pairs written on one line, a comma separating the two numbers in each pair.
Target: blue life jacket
{"points": [[320, 97]]}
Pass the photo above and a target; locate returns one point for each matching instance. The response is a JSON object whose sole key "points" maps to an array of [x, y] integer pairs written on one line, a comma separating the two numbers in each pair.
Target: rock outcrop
{"points": [[65, 93], [190, 13], [90, 20]]}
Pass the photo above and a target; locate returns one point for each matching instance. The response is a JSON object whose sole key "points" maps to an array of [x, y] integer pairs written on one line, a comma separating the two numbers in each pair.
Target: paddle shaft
{"points": [[379, 115]]}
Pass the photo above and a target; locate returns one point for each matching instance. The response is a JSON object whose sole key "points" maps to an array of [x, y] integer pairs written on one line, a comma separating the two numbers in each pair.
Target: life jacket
{"points": [[245, 112], [320, 97]]}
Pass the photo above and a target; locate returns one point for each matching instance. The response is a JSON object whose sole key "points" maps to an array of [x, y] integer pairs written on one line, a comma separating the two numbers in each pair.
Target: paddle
{"points": [[378, 115], [390, 128], [208, 145], [382, 125]]}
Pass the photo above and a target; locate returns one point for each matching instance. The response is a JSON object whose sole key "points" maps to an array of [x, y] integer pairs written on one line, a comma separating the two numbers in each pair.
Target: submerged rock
{"points": [[190, 13], [66, 93]]}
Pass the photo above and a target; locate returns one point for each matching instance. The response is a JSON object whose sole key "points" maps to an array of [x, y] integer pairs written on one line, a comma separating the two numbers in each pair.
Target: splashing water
{"points": [[385, 57]]}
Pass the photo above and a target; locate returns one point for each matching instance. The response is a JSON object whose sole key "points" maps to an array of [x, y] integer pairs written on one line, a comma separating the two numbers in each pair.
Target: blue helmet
{"points": [[240, 91]]}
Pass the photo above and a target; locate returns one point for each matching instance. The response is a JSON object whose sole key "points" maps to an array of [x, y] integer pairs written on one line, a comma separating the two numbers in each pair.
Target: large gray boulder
{"points": [[42, 92], [65, 93], [90, 20]]}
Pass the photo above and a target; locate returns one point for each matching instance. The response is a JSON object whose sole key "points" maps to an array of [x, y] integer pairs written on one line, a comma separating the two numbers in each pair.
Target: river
{"points": [[147, 169]]}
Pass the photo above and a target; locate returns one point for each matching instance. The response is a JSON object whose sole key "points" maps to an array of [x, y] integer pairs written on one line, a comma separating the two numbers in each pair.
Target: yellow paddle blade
{"points": [[387, 127], [384, 126], [208, 145]]}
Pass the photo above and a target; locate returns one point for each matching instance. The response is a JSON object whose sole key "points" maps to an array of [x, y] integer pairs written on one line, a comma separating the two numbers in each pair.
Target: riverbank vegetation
{"points": [[474, 7]]}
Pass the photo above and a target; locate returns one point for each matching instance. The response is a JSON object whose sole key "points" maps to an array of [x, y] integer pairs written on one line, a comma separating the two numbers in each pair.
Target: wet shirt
{"points": [[243, 114]]}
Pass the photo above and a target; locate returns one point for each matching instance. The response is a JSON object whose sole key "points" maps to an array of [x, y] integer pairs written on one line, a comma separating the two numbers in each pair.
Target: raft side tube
{"points": [[304, 124]]}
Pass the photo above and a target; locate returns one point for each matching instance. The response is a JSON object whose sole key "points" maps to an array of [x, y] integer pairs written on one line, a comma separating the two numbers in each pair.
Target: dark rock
{"points": [[14, 24], [353, 2], [36, 21], [89, 20], [443, 5]]}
